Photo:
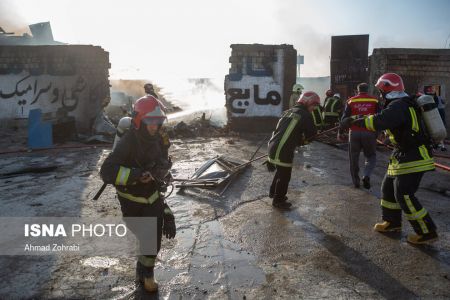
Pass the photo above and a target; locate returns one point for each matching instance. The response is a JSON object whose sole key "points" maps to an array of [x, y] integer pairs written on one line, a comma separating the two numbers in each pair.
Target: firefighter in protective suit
{"points": [[295, 128], [149, 90], [332, 108], [410, 159], [136, 167], [296, 93]]}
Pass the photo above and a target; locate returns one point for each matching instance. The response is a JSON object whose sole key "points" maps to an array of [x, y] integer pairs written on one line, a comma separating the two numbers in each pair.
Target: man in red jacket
{"points": [[361, 138]]}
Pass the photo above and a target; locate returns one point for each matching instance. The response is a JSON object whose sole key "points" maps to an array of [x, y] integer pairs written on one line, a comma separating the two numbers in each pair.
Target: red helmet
{"points": [[148, 110], [429, 90], [309, 98], [329, 93], [390, 82]]}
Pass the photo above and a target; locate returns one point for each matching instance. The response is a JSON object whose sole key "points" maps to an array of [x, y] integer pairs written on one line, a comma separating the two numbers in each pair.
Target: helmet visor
{"points": [[154, 120]]}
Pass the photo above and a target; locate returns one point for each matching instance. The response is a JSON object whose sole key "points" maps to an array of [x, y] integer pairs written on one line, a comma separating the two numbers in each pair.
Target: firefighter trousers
{"points": [[366, 141], [130, 208], [398, 195], [280, 183]]}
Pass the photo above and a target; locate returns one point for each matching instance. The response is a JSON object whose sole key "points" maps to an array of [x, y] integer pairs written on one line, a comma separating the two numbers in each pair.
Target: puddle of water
{"points": [[314, 170], [99, 262], [234, 266]]}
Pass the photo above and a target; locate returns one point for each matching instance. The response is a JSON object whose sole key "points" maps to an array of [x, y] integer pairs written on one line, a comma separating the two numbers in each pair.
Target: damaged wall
{"points": [[259, 84], [59, 79], [418, 68], [349, 63]]}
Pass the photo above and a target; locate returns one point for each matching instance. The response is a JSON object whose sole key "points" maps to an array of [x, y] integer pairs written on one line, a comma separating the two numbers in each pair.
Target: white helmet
{"points": [[297, 87], [337, 95]]}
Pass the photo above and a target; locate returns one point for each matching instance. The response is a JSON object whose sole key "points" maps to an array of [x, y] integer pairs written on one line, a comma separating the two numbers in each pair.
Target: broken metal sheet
{"points": [[216, 174]]}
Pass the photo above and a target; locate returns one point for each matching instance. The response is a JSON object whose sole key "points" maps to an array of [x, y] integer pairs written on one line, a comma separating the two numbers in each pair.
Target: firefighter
{"points": [[295, 128], [296, 92], [149, 90], [332, 108], [136, 168], [317, 117], [361, 138], [410, 159]]}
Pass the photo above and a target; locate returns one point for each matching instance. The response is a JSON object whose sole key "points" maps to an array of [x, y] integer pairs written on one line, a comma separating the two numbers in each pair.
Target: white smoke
{"points": [[11, 20], [196, 96]]}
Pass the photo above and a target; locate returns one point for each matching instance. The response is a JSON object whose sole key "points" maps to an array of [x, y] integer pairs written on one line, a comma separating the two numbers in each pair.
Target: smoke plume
{"points": [[10, 19]]}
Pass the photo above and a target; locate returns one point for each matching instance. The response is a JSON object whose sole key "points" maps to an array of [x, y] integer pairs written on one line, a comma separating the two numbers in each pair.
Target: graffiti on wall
{"points": [[23, 92], [253, 97], [254, 86]]}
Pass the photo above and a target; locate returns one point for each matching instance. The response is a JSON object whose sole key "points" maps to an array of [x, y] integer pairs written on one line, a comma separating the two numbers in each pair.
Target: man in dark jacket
{"points": [[295, 128], [136, 167], [410, 159]]}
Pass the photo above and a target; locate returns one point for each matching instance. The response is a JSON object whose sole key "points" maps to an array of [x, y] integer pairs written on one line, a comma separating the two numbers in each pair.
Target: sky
{"points": [[191, 39]]}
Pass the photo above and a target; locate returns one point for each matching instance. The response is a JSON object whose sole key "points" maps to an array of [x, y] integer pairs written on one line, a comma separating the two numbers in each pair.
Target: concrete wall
{"points": [[258, 85], [418, 68], [59, 79]]}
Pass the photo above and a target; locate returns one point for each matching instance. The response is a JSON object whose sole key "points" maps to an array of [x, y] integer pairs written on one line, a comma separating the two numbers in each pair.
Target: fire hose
{"points": [[265, 155], [236, 168]]}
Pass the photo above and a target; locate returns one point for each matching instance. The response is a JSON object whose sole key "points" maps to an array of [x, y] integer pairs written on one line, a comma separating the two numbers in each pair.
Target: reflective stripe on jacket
{"points": [[317, 116], [132, 156], [295, 127], [332, 107], [404, 127]]}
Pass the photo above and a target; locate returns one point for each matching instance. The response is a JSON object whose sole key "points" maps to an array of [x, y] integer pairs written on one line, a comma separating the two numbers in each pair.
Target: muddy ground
{"points": [[235, 246]]}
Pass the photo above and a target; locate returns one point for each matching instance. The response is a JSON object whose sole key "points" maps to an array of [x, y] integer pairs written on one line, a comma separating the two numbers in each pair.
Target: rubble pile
{"points": [[200, 127]]}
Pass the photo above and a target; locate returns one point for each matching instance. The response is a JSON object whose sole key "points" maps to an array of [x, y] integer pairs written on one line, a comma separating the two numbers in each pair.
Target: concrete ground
{"points": [[235, 246]]}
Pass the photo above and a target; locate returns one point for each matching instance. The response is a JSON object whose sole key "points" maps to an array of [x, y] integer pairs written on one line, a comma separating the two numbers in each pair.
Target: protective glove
{"points": [[346, 123], [270, 167], [359, 122], [169, 229]]}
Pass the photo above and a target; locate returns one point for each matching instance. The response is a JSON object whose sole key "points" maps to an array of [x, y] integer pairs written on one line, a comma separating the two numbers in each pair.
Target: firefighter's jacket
{"points": [[317, 116], [295, 128], [402, 122], [134, 154], [332, 108]]}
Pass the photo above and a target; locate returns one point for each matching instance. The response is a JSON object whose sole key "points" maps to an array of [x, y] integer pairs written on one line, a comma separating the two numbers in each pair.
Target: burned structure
{"points": [[419, 68], [349, 63], [258, 85], [63, 81]]}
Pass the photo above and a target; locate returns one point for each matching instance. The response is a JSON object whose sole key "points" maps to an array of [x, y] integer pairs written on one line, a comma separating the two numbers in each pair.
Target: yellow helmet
{"points": [[297, 87]]}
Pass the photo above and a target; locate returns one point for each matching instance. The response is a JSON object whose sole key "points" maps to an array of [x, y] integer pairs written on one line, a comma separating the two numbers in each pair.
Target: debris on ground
{"points": [[199, 127]]}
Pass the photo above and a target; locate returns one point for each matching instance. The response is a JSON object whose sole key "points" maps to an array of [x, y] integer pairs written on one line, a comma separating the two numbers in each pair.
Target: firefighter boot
{"points": [[140, 269], [145, 276], [386, 226], [150, 285], [426, 238], [281, 204], [366, 182]]}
